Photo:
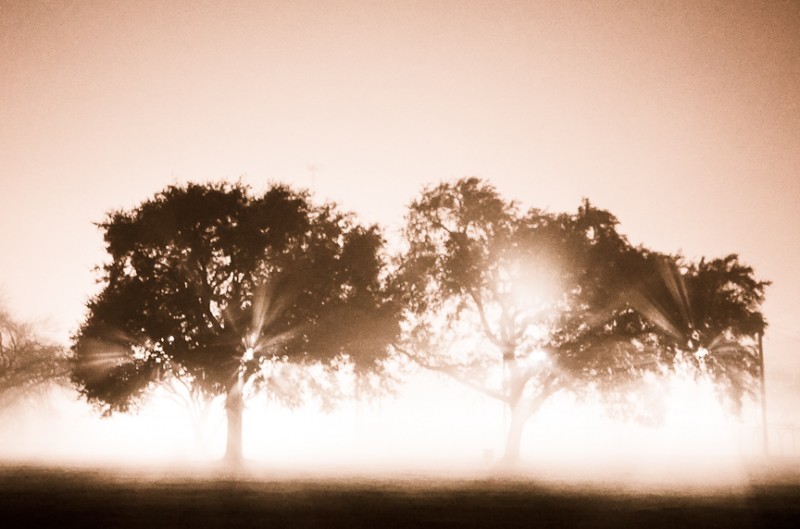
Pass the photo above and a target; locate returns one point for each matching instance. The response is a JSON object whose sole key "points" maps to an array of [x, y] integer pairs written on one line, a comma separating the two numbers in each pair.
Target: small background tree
{"points": [[27, 362]]}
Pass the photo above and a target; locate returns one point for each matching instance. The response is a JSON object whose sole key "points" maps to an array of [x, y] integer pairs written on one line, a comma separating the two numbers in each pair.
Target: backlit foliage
{"points": [[224, 289], [523, 304]]}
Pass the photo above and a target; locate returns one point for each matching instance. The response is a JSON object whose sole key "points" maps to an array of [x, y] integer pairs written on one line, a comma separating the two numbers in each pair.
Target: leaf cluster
{"points": [[213, 282]]}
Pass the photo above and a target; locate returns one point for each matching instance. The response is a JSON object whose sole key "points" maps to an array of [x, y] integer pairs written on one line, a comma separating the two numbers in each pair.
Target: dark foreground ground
{"points": [[36, 496]]}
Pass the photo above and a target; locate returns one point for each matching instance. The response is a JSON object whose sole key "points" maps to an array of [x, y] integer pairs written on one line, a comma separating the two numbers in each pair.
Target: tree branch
{"points": [[205, 295], [484, 321], [550, 386], [453, 373]]}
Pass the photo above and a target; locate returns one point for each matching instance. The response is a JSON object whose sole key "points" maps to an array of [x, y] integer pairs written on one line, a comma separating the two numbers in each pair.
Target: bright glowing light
{"points": [[538, 356], [532, 282]]}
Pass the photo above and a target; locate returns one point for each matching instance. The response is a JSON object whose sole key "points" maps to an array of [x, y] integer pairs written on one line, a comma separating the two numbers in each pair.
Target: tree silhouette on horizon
{"points": [[225, 290], [27, 361], [521, 305]]}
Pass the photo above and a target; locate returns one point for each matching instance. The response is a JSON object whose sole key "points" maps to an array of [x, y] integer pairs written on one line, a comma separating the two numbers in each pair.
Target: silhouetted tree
{"points": [[705, 316], [520, 305], [27, 362], [224, 289]]}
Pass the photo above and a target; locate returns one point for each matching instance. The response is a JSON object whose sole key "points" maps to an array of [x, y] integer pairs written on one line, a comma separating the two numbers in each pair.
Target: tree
{"points": [[27, 363], [223, 289], [706, 317], [522, 305]]}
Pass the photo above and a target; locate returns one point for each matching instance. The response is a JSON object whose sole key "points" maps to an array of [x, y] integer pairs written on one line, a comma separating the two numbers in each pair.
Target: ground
{"points": [[70, 496]]}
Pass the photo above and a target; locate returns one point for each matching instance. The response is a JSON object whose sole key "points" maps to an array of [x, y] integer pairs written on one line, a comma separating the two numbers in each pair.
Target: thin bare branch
{"points": [[487, 329], [453, 373]]}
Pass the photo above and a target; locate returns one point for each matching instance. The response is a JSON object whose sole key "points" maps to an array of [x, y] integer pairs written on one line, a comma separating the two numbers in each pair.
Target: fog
{"points": [[429, 429]]}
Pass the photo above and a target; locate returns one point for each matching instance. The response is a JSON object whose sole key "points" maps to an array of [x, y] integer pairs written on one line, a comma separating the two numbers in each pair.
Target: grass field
{"points": [[64, 496]]}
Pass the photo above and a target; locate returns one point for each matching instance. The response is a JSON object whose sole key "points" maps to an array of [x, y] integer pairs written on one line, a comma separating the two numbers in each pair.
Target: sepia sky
{"points": [[682, 118]]}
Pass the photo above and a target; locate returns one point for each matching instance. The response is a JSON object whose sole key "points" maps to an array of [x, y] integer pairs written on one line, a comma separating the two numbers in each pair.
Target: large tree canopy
{"points": [[520, 305], [219, 287]]}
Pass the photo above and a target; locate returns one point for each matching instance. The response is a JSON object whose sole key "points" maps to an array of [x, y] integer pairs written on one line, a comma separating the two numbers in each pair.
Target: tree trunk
{"points": [[514, 436], [521, 411], [234, 410], [515, 385]]}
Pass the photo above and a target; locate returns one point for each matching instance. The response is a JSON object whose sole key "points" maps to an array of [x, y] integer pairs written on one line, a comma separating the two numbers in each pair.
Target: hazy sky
{"points": [[682, 118]]}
